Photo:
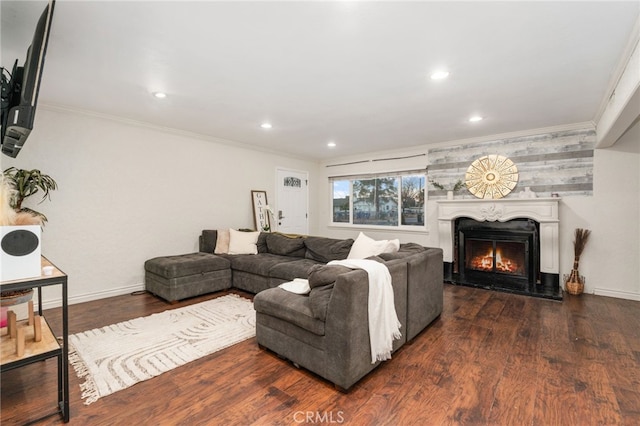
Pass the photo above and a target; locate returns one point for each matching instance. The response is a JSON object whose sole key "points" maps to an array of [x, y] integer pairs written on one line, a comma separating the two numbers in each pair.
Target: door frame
{"points": [[277, 194]]}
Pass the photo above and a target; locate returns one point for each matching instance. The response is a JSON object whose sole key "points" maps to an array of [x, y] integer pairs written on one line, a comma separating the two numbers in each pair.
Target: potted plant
{"points": [[15, 186], [574, 284], [456, 187], [25, 183]]}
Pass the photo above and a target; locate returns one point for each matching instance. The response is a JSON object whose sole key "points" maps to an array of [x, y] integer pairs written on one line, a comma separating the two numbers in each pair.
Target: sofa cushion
{"points": [[327, 249], [185, 264], [243, 242], [285, 246], [405, 250], [321, 275], [262, 243], [258, 264], [298, 268], [290, 307], [321, 280]]}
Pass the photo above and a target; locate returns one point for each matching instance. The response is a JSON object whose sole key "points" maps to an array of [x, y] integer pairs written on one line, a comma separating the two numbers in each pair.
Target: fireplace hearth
{"points": [[503, 245]]}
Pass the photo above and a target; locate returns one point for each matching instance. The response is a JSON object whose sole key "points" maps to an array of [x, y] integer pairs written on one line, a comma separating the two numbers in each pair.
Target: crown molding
{"points": [[169, 130]]}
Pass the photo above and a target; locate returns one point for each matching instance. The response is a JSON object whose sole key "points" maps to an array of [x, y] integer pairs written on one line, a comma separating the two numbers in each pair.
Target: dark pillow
{"points": [[261, 244], [406, 249], [320, 275], [285, 246], [319, 301], [327, 249], [208, 240], [321, 280], [412, 248]]}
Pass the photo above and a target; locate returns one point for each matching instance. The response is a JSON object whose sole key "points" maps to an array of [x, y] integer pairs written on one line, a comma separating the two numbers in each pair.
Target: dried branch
{"points": [[580, 241]]}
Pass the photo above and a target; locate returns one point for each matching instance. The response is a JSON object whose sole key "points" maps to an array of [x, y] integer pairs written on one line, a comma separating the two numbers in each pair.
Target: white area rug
{"points": [[115, 357]]}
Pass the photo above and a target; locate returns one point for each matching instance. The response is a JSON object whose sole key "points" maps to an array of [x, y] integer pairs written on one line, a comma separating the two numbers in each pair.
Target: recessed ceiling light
{"points": [[160, 95], [331, 144], [439, 75], [475, 119], [266, 125]]}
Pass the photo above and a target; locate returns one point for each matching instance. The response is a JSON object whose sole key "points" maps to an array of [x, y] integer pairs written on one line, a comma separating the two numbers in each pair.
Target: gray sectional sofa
{"points": [[325, 331]]}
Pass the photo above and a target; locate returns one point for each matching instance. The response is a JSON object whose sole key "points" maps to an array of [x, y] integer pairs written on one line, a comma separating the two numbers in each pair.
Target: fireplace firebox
{"points": [[498, 255]]}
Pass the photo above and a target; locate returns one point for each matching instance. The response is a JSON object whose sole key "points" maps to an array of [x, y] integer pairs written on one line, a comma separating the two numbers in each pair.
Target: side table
{"points": [[48, 346]]}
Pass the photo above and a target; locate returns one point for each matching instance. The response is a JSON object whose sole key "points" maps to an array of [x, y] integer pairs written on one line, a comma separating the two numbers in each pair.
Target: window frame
{"points": [[399, 176]]}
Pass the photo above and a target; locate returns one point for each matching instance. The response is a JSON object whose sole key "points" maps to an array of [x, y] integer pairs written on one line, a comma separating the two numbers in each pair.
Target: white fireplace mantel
{"points": [[542, 210]]}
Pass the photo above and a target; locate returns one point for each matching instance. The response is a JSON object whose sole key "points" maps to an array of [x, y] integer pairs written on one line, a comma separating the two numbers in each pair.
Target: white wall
{"points": [[611, 260], [129, 192]]}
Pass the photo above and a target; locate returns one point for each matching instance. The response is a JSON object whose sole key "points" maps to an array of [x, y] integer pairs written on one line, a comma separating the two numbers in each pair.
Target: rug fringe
{"points": [[88, 388]]}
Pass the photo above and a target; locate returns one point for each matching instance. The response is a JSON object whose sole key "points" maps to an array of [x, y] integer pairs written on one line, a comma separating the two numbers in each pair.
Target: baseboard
{"points": [[617, 294], [56, 303]]}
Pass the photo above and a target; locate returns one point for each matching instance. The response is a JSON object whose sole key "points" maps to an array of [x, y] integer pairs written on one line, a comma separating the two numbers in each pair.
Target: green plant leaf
{"points": [[27, 183]]}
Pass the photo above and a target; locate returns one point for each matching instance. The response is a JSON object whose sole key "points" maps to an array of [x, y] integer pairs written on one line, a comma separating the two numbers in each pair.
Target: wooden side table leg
{"points": [[20, 342], [37, 328], [12, 323], [30, 309]]}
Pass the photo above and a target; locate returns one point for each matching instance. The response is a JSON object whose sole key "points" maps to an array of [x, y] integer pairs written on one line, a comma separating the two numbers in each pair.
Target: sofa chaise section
{"points": [[338, 347]]}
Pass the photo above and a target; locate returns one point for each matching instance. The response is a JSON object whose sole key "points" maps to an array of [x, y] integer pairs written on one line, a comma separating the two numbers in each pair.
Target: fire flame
{"points": [[485, 263]]}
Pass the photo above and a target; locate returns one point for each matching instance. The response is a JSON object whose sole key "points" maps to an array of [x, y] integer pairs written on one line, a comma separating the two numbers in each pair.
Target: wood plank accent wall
{"points": [[557, 162]]}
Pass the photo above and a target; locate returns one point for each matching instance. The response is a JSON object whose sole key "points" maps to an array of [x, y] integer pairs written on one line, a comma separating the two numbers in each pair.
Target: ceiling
{"points": [[355, 73]]}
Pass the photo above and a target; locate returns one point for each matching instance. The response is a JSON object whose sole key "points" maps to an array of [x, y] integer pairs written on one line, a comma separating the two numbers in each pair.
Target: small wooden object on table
{"points": [[30, 329]]}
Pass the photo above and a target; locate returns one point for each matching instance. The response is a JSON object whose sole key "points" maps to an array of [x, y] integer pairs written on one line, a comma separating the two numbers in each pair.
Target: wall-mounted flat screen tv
{"points": [[20, 88]]}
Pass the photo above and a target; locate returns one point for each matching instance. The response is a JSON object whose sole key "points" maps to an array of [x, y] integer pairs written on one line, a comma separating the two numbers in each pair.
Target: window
{"points": [[341, 205], [413, 200], [390, 199]]}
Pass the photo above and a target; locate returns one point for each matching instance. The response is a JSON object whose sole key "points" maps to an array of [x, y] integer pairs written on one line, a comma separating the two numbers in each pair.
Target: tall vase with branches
{"points": [[575, 282]]}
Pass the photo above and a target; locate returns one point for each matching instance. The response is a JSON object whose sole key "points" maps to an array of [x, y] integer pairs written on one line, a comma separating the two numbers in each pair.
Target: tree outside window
{"points": [[413, 200], [375, 202]]}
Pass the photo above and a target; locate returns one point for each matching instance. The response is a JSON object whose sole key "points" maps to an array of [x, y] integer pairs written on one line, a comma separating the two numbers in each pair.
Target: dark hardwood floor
{"points": [[491, 359]]}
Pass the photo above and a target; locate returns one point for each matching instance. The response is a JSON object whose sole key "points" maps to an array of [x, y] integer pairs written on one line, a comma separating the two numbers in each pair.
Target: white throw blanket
{"points": [[297, 286], [384, 326]]}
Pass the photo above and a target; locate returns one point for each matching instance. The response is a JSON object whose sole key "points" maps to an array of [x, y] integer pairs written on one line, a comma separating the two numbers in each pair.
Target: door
{"points": [[291, 212]]}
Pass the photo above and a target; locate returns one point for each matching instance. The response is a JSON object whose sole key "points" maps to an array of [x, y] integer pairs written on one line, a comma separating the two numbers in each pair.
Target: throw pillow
{"points": [[325, 250], [222, 242], [262, 242], [364, 247], [406, 249], [243, 242], [392, 246], [285, 246], [321, 281]]}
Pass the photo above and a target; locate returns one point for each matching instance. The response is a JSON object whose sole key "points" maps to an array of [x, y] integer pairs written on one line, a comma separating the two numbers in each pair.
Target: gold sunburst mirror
{"points": [[491, 176]]}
